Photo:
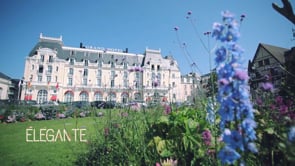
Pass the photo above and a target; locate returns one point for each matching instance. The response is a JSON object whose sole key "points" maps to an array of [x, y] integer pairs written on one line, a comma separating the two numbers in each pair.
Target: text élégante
{"points": [[51, 135]]}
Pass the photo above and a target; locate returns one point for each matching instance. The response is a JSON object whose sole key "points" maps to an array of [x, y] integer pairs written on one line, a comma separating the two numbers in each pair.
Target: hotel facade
{"points": [[55, 72]]}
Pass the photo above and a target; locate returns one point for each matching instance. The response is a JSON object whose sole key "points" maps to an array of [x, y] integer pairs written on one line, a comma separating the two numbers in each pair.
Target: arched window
{"points": [[98, 96], [84, 96], [137, 96], [112, 96], [42, 96], [69, 96], [124, 97]]}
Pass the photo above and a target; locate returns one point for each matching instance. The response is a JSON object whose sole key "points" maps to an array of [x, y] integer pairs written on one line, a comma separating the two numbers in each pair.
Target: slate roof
{"points": [[2, 75], [81, 54], [277, 52]]}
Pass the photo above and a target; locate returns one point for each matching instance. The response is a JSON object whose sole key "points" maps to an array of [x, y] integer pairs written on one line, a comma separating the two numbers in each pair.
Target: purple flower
{"points": [[279, 100], [189, 12], [206, 135], [167, 109], [283, 109], [176, 28], [267, 86], [241, 75], [259, 101]]}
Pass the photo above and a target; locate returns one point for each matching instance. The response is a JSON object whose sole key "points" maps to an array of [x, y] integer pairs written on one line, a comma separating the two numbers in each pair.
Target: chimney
{"points": [[81, 45]]}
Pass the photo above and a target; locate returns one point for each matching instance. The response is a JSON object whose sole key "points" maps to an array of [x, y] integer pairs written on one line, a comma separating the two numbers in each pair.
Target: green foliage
{"points": [[179, 136]]}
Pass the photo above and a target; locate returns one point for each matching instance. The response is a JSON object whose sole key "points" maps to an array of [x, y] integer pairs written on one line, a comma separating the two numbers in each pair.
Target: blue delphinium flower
{"points": [[236, 111], [233, 139], [228, 155]]}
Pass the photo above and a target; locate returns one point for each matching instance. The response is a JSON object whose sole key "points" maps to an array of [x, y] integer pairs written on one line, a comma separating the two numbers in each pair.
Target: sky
{"points": [[137, 25]]}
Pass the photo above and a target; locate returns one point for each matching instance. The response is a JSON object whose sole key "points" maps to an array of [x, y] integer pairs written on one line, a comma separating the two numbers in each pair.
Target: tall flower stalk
{"points": [[236, 112]]}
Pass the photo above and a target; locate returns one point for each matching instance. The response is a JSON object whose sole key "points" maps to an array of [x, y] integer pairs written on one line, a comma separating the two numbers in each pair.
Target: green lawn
{"points": [[15, 150]]}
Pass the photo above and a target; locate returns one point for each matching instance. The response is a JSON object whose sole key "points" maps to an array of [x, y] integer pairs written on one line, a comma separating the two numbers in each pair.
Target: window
{"points": [[84, 96], [55, 78], [158, 67], [33, 67], [40, 69], [112, 83], [71, 71], [125, 83], [125, 65], [153, 67], [112, 64], [260, 63], [159, 79], [125, 75], [42, 96], [98, 73], [266, 62], [56, 69], [85, 73], [50, 69], [69, 96], [173, 75], [85, 81], [113, 74], [99, 82], [39, 78], [86, 63], [98, 96], [71, 61], [48, 78], [70, 81], [99, 63], [42, 58], [50, 59]]}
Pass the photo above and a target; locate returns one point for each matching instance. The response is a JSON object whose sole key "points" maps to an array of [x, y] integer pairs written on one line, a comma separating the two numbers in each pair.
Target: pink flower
{"points": [[267, 86], [259, 101], [283, 109], [279, 100]]}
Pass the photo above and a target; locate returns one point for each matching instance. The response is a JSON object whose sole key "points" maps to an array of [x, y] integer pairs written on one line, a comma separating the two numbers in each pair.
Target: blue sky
{"points": [[136, 25]]}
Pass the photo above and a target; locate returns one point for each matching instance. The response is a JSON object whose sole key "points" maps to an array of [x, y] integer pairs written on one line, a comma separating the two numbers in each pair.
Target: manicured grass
{"points": [[15, 150]]}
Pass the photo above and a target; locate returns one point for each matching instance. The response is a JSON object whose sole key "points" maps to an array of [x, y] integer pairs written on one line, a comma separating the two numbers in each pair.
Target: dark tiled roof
{"points": [[2, 75], [81, 54], [276, 52]]}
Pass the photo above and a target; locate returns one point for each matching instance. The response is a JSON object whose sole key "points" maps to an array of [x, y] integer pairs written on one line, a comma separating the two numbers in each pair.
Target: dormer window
{"points": [[42, 58], [85, 62], [125, 65], [99, 63], [112, 64], [71, 61], [50, 59]]}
